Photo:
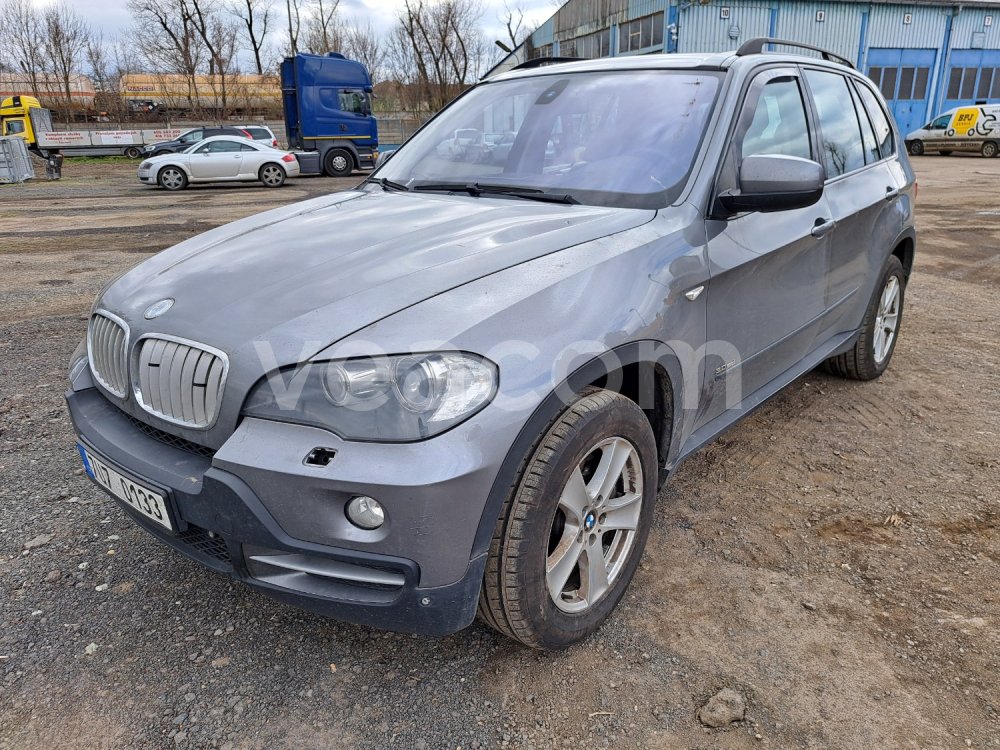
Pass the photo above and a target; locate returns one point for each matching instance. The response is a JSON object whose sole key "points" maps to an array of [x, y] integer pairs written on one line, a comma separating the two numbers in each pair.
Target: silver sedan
{"points": [[221, 158]]}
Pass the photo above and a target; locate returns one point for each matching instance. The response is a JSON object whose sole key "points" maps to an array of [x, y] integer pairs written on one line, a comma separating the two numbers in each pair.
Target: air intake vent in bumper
{"points": [[321, 576], [107, 350], [180, 381]]}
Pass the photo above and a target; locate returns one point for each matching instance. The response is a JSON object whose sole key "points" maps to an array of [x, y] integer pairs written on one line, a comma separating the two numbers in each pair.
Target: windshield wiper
{"points": [[386, 184], [476, 189]]}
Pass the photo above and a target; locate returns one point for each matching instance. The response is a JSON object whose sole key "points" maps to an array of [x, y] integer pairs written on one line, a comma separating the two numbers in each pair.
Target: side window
{"points": [[880, 122], [246, 147], [779, 124], [224, 146], [940, 123], [843, 151], [15, 126], [203, 149], [193, 137], [867, 133]]}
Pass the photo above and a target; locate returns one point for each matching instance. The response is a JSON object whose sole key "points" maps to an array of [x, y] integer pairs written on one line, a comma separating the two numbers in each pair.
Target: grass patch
{"points": [[100, 160]]}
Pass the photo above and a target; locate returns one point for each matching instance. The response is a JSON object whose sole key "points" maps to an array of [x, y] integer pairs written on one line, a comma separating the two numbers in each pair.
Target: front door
{"points": [[768, 270], [217, 160]]}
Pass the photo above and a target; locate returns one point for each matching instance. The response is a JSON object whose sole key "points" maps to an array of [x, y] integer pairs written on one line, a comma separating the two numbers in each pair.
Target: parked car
{"points": [[458, 387], [261, 133], [973, 128], [221, 158], [188, 138]]}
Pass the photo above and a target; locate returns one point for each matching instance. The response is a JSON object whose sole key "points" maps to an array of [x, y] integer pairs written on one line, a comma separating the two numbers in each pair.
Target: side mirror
{"points": [[773, 182]]}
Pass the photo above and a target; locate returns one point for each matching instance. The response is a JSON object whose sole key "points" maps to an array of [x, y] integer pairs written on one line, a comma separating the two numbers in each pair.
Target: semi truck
{"points": [[327, 105], [24, 117]]}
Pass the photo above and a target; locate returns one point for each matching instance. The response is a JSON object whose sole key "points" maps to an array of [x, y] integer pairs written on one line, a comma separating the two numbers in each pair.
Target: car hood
{"points": [[304, 276]]}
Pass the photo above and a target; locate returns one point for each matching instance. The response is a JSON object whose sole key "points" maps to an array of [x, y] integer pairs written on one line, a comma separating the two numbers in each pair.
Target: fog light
{"points": [[365, 512]]}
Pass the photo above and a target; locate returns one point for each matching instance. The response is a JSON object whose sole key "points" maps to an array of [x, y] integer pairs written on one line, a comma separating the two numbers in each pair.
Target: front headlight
{"points": [[388, 399]]}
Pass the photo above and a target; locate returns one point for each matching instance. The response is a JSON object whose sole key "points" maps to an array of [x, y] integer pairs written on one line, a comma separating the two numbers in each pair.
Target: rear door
{"points": [[861, 191], [768, 270]]}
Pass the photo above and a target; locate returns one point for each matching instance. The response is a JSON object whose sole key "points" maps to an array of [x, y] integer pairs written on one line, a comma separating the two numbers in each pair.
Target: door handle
{"points": [[891, 193], [822, 226]]}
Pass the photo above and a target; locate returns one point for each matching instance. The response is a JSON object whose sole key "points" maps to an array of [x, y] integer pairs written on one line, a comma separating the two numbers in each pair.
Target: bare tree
{"points": [[65, 45], [293, 10], [323, 32], [23, 33], [437, 48], [255, 18], [513, 21], [362, 43], [219, 38], [180, 49]]}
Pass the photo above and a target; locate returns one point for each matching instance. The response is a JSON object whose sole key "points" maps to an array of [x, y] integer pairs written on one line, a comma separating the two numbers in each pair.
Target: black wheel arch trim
{"points": [[632, 353]]}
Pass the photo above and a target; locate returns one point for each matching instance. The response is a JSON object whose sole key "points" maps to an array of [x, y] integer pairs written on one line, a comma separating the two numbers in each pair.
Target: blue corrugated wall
{"points": [[912, 51]]}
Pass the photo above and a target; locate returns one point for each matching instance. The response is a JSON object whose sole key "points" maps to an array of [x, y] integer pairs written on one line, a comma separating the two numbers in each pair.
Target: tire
{"points": [[535, 530], [172, 178], [916, 148], [867, 360], [272, 175], [989, 149], [338, 163], [133, 152]]}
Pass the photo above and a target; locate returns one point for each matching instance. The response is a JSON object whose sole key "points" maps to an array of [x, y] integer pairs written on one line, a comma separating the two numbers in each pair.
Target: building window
{"points": [[985, 79], [544, 51], [641, 33]]}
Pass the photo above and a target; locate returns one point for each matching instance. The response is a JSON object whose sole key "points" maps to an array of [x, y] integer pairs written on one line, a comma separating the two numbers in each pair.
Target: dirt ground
{"points": [[834, 558]]}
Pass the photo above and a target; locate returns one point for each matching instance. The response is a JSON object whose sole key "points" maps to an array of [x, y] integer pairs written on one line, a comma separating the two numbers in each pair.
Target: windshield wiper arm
{"points": [[477, 189], [386, 184]]}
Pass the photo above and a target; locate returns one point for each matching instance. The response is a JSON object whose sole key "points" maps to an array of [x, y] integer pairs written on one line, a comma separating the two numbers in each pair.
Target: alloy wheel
{"points": [[271, 175], [172, 179], [886, 320], [595, 524]]}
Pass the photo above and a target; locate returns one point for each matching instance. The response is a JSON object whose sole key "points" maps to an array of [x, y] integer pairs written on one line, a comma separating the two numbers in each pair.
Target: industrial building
{"points": [[926, 57]]}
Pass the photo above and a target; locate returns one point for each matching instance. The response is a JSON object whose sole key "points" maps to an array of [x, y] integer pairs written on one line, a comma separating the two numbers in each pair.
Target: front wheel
{"points": [[989, 149], [272, 175], [338, 163], [573, 528], [172, 178], [871, 353], [916, 148]]}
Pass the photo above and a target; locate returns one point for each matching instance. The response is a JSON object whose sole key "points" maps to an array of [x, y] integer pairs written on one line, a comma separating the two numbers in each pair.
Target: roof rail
{"points": [[756, 47], [540, 62]]}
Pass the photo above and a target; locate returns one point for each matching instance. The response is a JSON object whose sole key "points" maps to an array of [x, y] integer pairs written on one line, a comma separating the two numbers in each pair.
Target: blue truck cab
{"points": [[327, 104]]}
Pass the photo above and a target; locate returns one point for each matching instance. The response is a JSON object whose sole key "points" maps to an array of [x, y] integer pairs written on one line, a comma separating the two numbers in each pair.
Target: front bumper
{"points": [[224, 525]]}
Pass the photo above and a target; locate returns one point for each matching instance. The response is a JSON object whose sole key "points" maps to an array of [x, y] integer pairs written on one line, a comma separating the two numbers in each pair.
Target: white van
{"points": [[975, 128]]}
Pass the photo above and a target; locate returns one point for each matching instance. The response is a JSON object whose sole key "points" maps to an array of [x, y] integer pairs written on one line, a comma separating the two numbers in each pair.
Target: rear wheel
{"points": [[573, 528], [172, 178], [272, 175], [132, 152], [338, 163], [916, 148], [879, 331], [989, 149]]}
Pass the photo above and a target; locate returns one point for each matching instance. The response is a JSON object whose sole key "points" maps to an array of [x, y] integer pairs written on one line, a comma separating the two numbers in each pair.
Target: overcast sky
{"points": [[111, 16]]}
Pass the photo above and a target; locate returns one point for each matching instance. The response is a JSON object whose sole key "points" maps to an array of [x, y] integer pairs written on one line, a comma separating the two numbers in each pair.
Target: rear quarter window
{"points": [[880, 121]]}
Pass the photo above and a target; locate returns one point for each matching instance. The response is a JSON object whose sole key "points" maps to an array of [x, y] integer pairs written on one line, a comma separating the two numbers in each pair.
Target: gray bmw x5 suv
{"points": [[457, 388]]}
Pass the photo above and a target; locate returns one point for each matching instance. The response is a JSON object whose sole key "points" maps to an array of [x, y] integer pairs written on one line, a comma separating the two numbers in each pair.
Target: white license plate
{"points": [[149, 503]]}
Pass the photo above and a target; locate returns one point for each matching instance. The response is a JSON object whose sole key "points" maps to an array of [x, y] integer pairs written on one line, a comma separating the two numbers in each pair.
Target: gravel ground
{"points": [[833, 559]]}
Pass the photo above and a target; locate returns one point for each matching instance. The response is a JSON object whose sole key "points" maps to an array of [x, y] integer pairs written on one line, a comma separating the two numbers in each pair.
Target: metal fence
{"points": [[15, 162]]}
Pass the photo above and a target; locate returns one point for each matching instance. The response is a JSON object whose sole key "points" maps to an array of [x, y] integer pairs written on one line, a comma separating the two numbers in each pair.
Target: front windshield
{"points": [[611, 138]]}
